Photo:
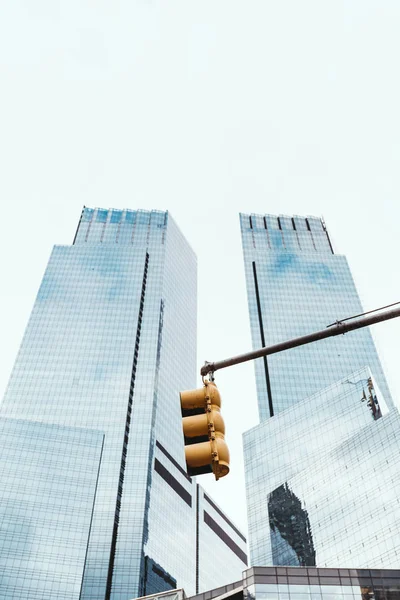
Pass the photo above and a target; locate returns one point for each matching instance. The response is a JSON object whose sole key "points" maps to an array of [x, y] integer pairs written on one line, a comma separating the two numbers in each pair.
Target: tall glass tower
{"points": [[110, 342], [321, 467], [296, 284]]}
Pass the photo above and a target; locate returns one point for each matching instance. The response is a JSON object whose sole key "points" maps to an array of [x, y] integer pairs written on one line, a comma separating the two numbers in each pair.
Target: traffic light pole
{"points": [[338, 328]]}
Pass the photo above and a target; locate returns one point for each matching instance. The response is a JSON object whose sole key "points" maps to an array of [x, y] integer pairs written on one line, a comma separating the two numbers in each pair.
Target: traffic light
{"points": [[204, 431]]}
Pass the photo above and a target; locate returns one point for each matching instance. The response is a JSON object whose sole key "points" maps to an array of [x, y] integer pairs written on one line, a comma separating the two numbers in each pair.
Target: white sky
{"points": [[204, 108]]}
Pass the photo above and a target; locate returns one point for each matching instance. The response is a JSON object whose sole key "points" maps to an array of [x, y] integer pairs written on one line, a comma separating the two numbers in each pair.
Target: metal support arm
{"points": [[339, 328]]}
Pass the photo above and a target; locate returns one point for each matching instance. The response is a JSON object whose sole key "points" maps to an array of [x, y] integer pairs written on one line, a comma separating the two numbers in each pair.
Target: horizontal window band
{"points": [[225, 537], [172, 482], [221, 514], [174, 462]]}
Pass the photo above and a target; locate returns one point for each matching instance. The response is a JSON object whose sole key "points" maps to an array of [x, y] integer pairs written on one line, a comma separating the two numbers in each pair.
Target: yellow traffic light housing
{"points": [[204, 431]]}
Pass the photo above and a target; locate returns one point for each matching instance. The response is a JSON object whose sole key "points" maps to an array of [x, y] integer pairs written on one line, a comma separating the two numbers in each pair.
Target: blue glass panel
{"points": [[130, 216], [87, 214], [116, 216], [102, 216]]}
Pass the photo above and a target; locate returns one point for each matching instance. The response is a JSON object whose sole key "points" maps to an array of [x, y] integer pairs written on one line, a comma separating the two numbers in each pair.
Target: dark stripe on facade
{"points": [[172, 482], [127, 430], [225, 537], [197, 538], [260, 322], [174, 462], [327, 235], [91, 517], [77, 229], [221, 514], [145, 531]]}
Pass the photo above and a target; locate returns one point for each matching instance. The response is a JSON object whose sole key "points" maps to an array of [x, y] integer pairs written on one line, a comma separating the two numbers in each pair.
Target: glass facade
{"points": [[48, 480], [297, 285], [110, 342], [218, 538], [332, 500], [354, 510], [321, 479]]}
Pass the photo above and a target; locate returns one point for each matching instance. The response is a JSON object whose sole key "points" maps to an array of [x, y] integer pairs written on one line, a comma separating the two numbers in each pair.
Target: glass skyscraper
{"points": [[110, 343], [321, 467], [296, 284]]}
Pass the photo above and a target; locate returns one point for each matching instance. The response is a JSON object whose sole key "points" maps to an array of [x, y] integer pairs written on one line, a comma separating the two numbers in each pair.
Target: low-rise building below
{"points": [[302, 583]]}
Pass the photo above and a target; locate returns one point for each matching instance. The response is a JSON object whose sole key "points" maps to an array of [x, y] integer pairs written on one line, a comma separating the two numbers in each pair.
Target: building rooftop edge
{"points": [[275, 215]]}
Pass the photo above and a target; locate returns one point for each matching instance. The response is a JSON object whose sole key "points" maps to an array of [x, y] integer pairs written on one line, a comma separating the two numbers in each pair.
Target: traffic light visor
{"points": [[198, 455], [196, 399]]}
